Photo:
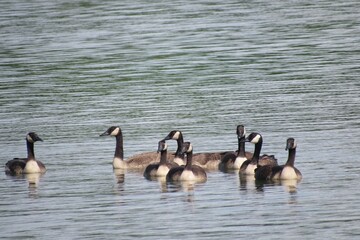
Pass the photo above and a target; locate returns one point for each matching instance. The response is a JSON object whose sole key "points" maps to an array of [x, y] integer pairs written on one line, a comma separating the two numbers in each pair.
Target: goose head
{"points": [[240, 131], [112, 131], [33, 137], [290, 144], [254, 138], [186, 148], [162, 146], [173, 135]]}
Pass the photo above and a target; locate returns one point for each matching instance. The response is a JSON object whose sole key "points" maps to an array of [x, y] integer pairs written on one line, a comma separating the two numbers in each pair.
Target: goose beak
{"points": [[106, 133], [37, 138], [166, 138], [244, 140]]}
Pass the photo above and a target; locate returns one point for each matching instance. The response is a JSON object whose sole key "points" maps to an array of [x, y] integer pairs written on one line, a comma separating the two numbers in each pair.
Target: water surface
{"points": [[69, 70]]}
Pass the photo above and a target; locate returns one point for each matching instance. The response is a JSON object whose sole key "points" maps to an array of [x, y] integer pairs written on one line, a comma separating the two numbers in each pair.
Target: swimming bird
{"points": [[210, 160], [249, 166], [234, 160], [138, 161], [287, 171], [29, 164], [162, 168], [189, 172]]}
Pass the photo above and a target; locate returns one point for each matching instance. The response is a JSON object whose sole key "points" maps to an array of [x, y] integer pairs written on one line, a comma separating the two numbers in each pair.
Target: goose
{"points": [[209, 161], [189, 172], [138, 161], [234, 160], [249, 166], [26, 165], [287, 171], [162, 168]]}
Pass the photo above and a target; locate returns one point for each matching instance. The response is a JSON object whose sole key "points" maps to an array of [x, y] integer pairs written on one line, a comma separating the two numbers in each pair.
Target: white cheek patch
{"points": [[176, 135], [115, 132], [256, 139], [29, 139], [190, 148]]}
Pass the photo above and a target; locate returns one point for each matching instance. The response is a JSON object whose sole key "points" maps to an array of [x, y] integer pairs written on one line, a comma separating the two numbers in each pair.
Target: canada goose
{"points": [[162, 168], [208, 161], [138, 161], [249, 166], [188, 172], [287, 171], [234, 160], [177, 135], [29, 164]]}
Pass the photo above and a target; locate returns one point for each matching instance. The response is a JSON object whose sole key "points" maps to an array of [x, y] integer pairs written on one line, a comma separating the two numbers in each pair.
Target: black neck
{"points": [[241, 147], [189, 160], [180, 142], [257, 151], [163, 157], [291, 157], [30, 150], [119, 150]]}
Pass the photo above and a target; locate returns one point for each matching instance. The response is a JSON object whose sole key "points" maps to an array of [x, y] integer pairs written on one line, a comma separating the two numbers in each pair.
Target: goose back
{"points": [[207, 160]]}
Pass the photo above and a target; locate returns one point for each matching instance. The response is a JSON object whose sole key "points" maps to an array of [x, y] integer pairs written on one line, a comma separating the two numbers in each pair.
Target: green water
{"points": [[69, 70]]}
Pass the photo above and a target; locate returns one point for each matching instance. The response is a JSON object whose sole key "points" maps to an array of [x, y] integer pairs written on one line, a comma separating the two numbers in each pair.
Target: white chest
{"points": [[179, 161], [250, 170], [162, 171], [238, 162], [32, 167], [288, 173], [119, 163], [187, 175]]}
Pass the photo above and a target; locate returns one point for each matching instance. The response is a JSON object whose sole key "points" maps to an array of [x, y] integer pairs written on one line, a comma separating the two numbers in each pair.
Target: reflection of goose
{"points": [[33, 179], [29, 164], [246, 182], [234, 160], [120, 175], [188, 172], [208, 160], [249, 166], [138, 161], [283, 172], [290, 185], [162, 168]]}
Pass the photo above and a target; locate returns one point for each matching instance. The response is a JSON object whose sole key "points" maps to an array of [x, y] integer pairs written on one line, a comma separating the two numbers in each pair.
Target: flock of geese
{"points": [[183, 165]]}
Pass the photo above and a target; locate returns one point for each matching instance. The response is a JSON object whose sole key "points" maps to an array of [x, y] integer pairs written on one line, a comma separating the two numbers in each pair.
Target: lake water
{"points": [[71, 69]]}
